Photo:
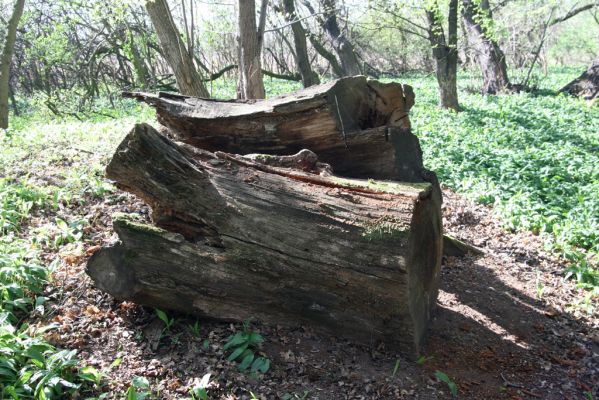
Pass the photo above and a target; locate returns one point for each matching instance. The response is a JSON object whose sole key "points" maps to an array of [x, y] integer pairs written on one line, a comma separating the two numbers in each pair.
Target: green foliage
{"points": [[16, 202], [453, 388], [396, 367], [533, 156], [168, 322], [139, 389], [91, 374], [242, 347], [32, 368], [195, 329], [423, 359]]}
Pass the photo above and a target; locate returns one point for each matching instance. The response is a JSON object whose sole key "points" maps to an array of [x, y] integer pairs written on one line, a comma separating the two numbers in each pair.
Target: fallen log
{"points": [[343, 121], [586, 86], [453, 247], [275, 238]]}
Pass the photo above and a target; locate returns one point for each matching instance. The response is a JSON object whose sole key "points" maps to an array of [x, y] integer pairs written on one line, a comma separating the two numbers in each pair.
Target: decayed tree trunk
{"points": [[309, 77], [276, 238], [343, 121], [251, 85], [488, 54], [6, 60], [188, 78], [445, 52], [586, 85]]}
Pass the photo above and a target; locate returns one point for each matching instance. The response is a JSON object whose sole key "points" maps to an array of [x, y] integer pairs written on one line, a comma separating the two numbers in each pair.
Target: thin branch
{"points": [[278, 28], [574, 12]]}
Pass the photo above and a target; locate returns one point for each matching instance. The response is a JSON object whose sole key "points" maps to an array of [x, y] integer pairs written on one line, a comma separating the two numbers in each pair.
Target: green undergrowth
{"points": [[29, 366], [533, 156], [49, 166]]}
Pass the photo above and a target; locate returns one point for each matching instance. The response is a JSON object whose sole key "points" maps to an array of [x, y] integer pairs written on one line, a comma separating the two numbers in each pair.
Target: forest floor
{"points": [[507, 326]]}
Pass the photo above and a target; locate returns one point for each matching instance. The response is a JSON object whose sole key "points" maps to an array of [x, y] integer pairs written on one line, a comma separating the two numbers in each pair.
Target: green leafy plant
{"points": [[442, 377], [168, 322], [139, 389], [33, 368], [540, 287], [68, 232], [588, 395], [199, 392], [423, 359], [91, 374], [243, 347], [195, 329], [396, 367]]}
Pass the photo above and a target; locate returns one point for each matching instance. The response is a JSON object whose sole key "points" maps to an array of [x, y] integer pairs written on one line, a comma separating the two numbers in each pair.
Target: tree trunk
{"points": [[6, 60], [345, 50], [343, 47], [309, 77], [343, 121], [445, 53], [487, 52], [338, 71], [188, 78], [142, 75], [276, 238], [251, 85], [586, 85]]}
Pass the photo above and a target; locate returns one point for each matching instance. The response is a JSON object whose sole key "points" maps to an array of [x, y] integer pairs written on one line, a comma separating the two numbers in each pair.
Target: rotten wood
{"points": [[275, 238], [343, 121]]}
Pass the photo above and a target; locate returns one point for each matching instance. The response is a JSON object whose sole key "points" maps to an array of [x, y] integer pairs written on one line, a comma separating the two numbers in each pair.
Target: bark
{"points": [[345, 122], [6, 60], [343, 47], [350, 65], [445, 53], [309, 77], [174, 50], [251, 85], [275, 238], [338, 71], [488, 54], [586, 85], [142, 75], [453, 247], [573, 12]]}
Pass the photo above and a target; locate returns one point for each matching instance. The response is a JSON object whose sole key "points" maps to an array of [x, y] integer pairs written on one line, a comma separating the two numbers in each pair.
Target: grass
{"points": [[45, 173], [533, 156]]}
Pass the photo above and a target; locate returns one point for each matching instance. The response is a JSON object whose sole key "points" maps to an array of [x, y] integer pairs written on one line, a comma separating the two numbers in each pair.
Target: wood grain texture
{"points": [[241, 237], [335, 120]]}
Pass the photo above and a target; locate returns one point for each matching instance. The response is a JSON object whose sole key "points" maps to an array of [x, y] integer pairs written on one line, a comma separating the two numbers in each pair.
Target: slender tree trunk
{"points": [[327, 55], [488, 53], [6, 60], [343, 47], [174, 50], [250, 84], [142, 75], [309, 77], [445, 52]]}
